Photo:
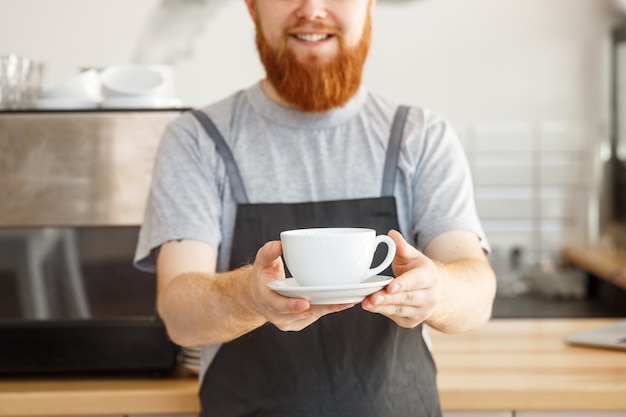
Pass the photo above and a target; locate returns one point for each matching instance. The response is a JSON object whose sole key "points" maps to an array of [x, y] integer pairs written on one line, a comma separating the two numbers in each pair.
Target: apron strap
{"points": [[239, 191], [236, 183], [393, 151]]}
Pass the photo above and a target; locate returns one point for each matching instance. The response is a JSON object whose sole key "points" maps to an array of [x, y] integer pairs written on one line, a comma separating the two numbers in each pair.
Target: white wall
{"points": [[498, 59], [471, 60]]}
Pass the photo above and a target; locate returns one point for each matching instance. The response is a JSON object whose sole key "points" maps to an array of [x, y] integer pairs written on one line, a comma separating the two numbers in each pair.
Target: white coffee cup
{"points": [[333, 256]]}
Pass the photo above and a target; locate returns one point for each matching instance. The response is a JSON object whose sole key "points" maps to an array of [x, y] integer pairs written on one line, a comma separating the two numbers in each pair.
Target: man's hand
{"points": [[288, 314], [450, 286], [413, 295]]}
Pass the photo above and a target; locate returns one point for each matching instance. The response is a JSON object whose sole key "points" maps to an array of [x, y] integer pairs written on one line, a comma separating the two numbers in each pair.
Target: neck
{"points": [[273, 95]]}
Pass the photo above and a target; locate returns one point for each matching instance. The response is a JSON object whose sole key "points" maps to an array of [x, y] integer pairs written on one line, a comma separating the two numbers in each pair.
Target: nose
{"points": [[311, 10]]}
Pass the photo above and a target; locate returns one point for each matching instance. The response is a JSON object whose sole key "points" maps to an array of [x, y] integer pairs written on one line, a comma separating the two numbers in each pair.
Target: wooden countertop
{"points": [[524, 365], [102, 396], [509, 364]]}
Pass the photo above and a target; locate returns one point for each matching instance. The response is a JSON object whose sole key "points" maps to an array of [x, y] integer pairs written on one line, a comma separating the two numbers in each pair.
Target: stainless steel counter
{"points": [[78, 167]]}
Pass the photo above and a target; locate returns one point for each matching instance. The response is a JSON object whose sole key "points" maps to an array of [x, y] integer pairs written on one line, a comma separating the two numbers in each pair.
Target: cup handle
{"points": [[391, 252]]}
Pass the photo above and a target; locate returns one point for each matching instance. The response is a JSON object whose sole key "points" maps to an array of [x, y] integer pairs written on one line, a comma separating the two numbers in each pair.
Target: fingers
{"points": [[406, 308], [295, 321], [412, 296], [288, 314], [294, 314]]}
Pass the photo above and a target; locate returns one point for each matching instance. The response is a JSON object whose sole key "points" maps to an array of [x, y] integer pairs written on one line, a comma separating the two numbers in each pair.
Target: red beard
{"points": [[315, 86]]}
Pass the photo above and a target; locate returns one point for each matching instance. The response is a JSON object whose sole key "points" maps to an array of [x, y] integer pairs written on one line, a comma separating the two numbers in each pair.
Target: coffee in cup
{"points": [[333, 256]]}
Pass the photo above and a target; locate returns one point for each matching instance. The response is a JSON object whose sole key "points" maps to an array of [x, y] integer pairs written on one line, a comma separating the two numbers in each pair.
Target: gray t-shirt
{"points": [[285, 156]]}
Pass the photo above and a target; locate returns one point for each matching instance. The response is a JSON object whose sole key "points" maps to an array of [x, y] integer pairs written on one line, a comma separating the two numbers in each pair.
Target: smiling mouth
{"points": [[312, 37]]}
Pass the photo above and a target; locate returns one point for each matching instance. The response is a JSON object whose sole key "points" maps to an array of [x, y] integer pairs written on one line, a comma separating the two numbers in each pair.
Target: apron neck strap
{"points": [[393, 151], [236, 184]]}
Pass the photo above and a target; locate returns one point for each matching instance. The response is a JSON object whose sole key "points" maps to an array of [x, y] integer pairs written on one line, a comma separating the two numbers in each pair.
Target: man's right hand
{"points": [[288, 314]]}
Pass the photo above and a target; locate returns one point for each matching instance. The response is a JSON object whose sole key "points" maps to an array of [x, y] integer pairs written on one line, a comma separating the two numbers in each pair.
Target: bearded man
{"points": [[309, 146]]}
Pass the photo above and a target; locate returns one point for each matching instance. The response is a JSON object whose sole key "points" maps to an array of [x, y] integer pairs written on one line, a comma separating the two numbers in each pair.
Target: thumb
{"points": [[268, 257], [407, 256]]}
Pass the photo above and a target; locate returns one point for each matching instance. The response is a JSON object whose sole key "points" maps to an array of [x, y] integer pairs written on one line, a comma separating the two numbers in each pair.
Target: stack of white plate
{"points": [[190, 358], [79, 92]]}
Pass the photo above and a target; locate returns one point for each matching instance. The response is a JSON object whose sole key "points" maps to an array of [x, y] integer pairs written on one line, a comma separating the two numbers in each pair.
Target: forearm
{"points": [[469, 287], [203, 308]]}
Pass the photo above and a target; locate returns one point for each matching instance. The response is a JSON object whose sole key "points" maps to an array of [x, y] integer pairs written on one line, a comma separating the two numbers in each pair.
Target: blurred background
{"points": [[526, 83]]}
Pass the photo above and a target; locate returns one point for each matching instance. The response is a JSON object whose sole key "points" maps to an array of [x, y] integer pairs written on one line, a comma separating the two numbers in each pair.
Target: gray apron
{"points": [[351, 363]]}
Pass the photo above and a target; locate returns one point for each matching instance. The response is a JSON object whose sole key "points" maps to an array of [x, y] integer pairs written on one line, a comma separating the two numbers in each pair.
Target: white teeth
{"points": [[311, 37]]}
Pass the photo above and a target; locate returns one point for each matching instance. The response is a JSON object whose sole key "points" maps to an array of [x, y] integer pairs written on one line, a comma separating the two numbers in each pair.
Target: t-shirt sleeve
{"points": [[442, 186], [183, 200]]}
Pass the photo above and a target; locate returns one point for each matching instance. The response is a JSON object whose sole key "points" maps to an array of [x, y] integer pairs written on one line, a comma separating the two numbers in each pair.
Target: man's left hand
{"points": [[416, 291]]}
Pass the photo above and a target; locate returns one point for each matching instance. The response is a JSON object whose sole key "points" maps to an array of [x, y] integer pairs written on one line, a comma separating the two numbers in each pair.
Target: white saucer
{"points": [[332, 294]]}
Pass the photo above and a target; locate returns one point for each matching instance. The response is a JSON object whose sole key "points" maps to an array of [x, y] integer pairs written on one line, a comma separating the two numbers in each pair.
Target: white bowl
{"points": [[137, 80]]}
